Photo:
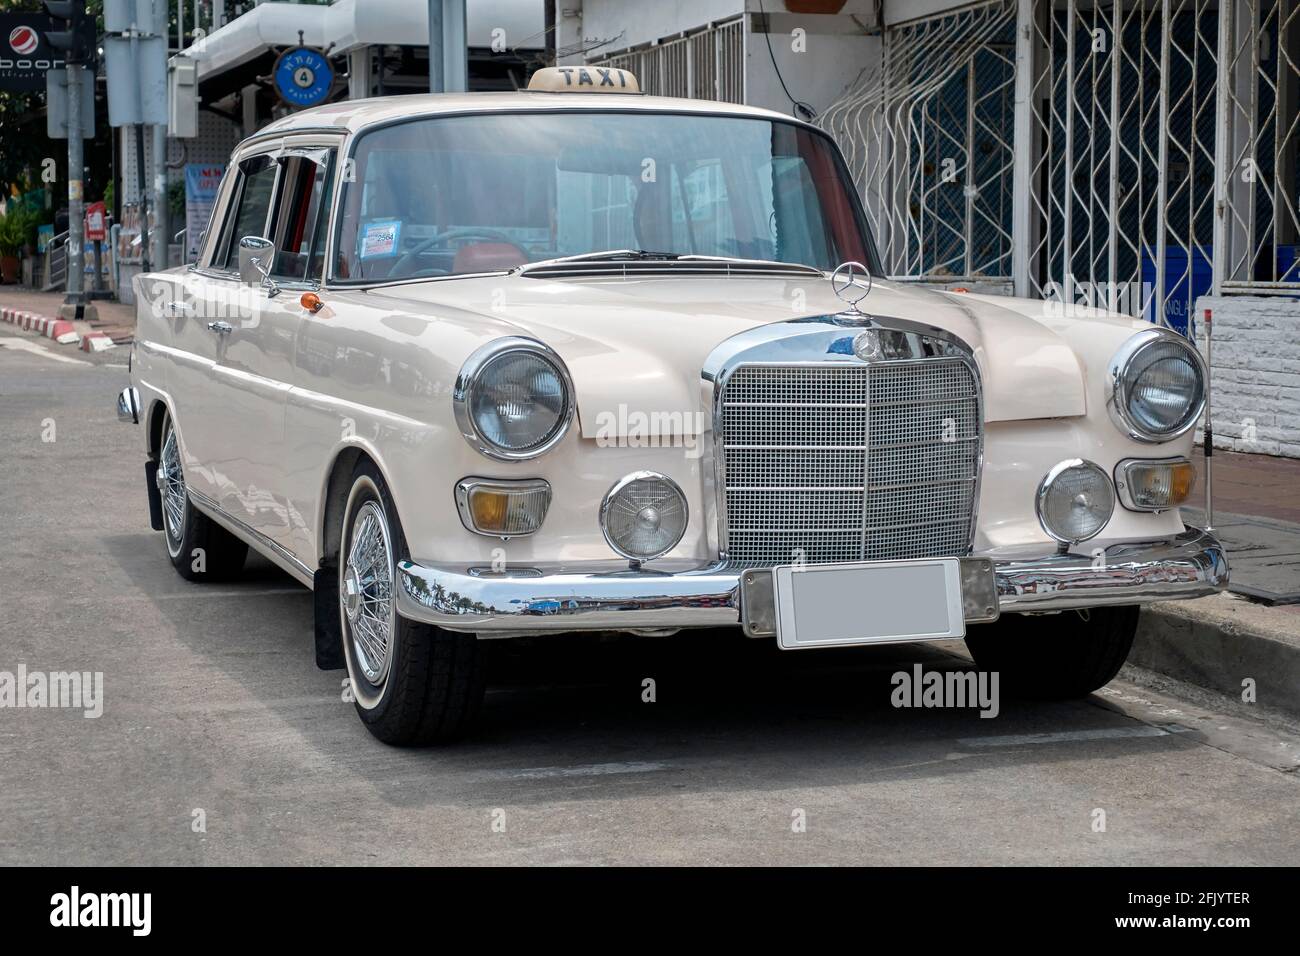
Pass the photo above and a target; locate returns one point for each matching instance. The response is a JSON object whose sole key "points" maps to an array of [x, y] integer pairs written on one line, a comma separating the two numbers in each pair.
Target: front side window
{"points": [[458, 195], [285, 198], [255, 191], [300, 215]]}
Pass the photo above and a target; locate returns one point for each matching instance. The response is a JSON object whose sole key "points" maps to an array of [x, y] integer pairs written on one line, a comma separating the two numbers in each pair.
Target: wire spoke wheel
{"points": [[171, 484], [367, 592]]}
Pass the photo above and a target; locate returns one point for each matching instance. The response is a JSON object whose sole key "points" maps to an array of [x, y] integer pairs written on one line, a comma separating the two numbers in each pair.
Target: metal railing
{"points": [[927, 139], [55, 273], [707, 64]]}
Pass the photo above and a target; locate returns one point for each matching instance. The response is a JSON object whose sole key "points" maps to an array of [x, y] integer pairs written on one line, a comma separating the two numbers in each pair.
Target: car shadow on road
{"points": [[592, 716]]}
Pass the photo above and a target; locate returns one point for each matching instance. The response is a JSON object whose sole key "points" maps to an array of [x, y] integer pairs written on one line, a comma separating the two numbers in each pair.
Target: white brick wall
{"points": [[1256, 375]]}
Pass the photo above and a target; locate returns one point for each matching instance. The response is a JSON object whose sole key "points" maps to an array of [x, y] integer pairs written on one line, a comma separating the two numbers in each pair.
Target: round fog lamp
{"points": [[1075, 500], [643, 516]]}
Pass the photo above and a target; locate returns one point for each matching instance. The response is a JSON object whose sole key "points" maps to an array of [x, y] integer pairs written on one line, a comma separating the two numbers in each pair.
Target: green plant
{"points": [[176, 200], [11, 234]]}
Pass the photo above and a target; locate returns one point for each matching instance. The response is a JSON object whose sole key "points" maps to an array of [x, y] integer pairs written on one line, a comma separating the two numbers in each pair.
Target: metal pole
{"points": [[1209, 425], [455, 47], [1112, 202], [1067, 232], [1020, 209], [1162, 182], [76, 188], [436, 62], [144, 199], [161, 235]]}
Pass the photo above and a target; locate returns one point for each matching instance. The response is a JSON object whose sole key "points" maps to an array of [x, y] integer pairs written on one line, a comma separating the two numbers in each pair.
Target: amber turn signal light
{"points": [[311, 302], [1155, 485], [503, 508]]}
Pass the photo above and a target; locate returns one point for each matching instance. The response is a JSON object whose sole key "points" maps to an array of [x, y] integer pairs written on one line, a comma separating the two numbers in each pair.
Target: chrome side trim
{"points": [[128, 405], [272, 550], [602, 598]]}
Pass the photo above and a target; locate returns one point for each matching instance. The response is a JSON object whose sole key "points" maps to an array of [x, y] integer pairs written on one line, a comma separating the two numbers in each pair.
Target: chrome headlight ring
{"points": [[1099, 511], [471, 377], [1121, 370], [672, 495]]}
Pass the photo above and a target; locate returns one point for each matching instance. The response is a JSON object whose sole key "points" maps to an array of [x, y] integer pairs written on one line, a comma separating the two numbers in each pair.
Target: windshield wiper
{"points": [[608, 255], [645, 255]]}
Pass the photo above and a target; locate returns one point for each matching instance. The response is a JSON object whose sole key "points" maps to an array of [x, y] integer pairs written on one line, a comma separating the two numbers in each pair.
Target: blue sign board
{"points": [[303, 76]]}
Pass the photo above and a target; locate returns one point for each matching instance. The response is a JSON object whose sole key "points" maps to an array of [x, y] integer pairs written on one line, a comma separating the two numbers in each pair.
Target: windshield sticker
{"points": [[379, 239]]}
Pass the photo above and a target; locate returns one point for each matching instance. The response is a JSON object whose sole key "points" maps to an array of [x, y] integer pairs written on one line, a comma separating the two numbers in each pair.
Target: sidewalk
{"points": [[1257, 517], [116, 320]]}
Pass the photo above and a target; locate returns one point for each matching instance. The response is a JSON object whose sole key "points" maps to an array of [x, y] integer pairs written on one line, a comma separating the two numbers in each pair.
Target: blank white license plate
{"points": [[832, 605]]}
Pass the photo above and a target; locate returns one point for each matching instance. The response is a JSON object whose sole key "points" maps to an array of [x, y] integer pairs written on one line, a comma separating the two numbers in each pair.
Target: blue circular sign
{"points": [[303, 76]]}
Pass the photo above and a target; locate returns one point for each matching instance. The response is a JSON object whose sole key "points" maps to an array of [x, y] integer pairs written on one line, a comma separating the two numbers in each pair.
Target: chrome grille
{"points": [[849, 462]]}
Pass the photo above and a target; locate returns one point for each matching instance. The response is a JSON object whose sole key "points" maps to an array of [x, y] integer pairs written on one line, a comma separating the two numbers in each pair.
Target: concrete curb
{"points": [[96, 342], [60, 330], [1220, 642]]}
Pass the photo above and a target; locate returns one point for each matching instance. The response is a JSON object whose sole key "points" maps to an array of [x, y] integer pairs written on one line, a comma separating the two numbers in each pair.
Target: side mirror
{"points": [[255, 258]]}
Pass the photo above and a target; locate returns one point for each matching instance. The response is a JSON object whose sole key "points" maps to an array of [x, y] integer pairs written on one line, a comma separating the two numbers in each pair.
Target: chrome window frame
{"points": [[349, 149], [274, 144]]}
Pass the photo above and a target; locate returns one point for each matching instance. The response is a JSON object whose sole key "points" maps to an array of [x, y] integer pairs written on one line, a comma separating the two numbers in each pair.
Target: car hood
{"points": [[638, 345]]}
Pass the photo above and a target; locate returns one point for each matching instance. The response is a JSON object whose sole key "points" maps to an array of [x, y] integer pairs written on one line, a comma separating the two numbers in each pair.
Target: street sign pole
{"points": [[76, 193], [70, 28], [162, 229]]}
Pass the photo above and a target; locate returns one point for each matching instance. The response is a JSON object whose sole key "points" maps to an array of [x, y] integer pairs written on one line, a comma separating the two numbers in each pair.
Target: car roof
{"points": [[355, 115]]}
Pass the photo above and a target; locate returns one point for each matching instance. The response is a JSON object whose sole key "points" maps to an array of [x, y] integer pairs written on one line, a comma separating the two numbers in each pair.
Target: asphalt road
{"points": [[212, 703]]}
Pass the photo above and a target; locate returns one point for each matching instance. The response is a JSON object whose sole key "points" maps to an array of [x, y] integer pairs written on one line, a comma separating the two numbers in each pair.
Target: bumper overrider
{"points": [[523, 600]]}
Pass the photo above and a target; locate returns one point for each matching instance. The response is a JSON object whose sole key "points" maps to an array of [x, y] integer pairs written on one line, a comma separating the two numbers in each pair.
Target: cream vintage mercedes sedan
{"points": [[577, 359]]}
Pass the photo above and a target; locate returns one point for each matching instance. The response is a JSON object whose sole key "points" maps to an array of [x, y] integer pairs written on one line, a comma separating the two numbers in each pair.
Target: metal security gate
{"points": [[707, 64], [927, 136], [1127, 155]]}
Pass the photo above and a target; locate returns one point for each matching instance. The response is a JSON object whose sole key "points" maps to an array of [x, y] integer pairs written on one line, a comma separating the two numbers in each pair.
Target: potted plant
{"points": [[12, 236]]}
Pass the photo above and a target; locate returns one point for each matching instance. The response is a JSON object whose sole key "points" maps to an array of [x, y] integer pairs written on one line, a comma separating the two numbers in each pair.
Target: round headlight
{"points": [[1159, 386], [643, 516], [513, 399], [1075, 500]]}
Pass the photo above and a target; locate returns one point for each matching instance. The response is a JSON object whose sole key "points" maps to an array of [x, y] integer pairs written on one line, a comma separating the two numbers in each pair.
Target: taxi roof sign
{"points": [[583, 79]]}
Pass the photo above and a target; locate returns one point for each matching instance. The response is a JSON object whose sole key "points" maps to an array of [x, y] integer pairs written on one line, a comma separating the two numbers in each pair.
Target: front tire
{"points": [[413, 683], [1058, 656], [199, 548]]}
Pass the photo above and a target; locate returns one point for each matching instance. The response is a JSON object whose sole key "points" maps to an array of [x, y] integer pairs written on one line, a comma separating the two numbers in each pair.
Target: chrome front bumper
{"points": [[528, 600]]}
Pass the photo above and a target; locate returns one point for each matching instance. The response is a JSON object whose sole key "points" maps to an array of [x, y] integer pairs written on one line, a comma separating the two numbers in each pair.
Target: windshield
{"points": [[456, 195]]}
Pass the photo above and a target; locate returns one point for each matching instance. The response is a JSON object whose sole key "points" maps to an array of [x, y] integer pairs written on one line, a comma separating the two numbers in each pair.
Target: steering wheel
{"points": [[408, 258]]}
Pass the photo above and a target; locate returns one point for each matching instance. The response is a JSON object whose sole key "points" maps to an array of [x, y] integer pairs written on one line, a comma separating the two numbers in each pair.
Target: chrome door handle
{"points": [[179, 308], [221, 328]]}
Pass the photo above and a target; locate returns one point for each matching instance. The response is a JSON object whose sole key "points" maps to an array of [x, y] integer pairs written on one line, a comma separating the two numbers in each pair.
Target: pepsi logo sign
{"points": [[23, 40]]}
